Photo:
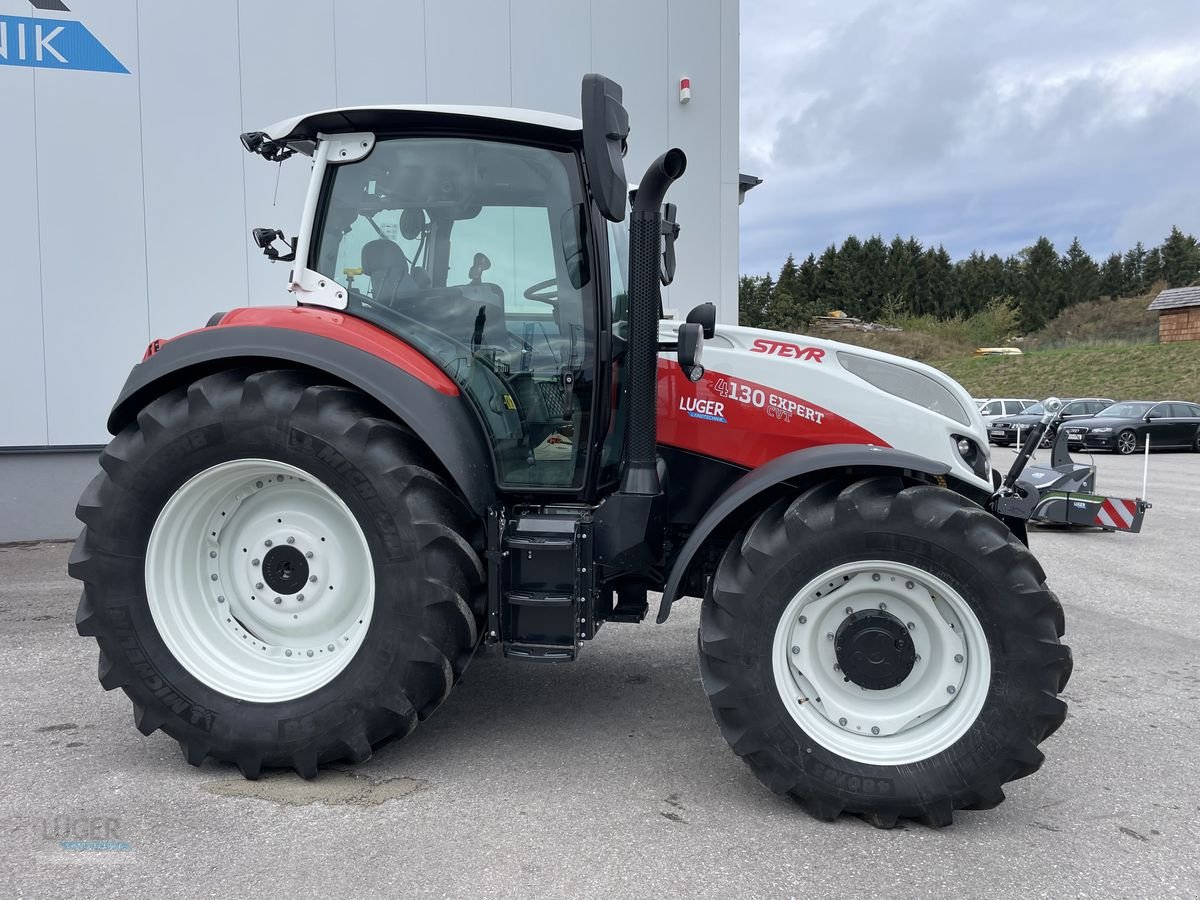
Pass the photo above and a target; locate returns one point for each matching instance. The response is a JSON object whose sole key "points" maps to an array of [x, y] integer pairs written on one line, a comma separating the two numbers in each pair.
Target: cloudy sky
{"points": [[978, 125]]}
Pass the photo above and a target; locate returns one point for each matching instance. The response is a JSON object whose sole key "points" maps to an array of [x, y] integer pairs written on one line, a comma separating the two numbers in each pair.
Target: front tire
{"points": [[275, 573], [1126, 442], [883, 650]]}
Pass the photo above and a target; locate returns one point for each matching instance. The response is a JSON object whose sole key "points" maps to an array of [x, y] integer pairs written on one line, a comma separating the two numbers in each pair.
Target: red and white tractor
{"points": [[475, 428]]}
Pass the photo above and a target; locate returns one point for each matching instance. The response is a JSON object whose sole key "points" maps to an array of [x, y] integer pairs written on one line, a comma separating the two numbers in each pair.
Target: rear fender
{"points": [[734, 504], [349, 350]]}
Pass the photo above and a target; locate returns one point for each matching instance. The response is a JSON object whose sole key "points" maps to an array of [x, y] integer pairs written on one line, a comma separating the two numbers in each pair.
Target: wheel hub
{"points": [[881, 661], [260, 580], [285, 570], [874, 650]]}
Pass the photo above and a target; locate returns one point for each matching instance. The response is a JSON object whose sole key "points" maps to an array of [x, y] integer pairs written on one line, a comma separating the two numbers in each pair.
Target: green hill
{"points": [[1123, 372]]}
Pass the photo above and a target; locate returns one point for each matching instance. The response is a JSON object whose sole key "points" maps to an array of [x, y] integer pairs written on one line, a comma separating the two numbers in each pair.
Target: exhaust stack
{"points": [[645, 309]]}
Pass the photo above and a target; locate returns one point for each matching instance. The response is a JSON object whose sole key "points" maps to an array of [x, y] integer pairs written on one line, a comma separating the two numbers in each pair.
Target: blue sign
{"points": [[53, 44]]}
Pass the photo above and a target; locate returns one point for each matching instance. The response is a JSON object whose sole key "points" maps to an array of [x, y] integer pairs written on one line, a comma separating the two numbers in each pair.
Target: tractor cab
{"points": [[470, 233]]}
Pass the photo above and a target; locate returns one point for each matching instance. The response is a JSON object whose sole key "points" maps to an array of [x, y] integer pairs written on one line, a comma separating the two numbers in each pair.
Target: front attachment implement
{"points": [[1062, 492]]}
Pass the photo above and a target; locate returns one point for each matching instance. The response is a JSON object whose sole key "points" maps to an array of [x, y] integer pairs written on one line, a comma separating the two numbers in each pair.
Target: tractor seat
{"points": [[384, 262]]}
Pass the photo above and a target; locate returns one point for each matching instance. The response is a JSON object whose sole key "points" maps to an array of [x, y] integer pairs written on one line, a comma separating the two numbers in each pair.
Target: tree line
{"points": [[879, 281]]}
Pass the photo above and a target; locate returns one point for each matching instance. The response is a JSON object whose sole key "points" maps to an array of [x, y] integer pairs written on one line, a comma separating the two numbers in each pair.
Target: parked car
{"points": [[998, 408], [1124, 427], [1003, 432]]}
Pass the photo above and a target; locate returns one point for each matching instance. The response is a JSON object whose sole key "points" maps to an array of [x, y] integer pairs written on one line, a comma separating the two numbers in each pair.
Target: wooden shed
{"points": [[1178, 314]]}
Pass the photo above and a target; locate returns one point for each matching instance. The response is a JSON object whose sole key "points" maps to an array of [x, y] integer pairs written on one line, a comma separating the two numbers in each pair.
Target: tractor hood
{"points": [[793, 391]]}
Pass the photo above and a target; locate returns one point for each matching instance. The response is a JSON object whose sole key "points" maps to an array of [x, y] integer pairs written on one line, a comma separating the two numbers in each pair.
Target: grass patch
{"points": [[926, 338], [1097, 322], [1120, 371]]}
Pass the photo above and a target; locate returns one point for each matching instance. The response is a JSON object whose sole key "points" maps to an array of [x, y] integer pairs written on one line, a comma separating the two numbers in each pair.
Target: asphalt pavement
{"points": [[608, 777]]}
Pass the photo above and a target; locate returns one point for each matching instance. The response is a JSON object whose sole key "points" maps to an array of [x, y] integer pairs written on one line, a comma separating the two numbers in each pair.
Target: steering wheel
{"points": [[543, 292]]}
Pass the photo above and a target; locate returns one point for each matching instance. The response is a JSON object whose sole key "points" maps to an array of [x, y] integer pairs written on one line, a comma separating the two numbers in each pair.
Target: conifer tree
{"points": [[1112, 277], [1081, 276]]}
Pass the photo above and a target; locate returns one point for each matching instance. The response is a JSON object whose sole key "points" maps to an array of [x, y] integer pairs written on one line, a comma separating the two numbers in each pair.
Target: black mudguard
{"points": [[447, 424], [784, 468]]}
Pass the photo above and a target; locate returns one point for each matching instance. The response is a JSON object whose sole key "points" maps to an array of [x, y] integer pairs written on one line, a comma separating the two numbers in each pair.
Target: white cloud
{"points": [[980, 125]]}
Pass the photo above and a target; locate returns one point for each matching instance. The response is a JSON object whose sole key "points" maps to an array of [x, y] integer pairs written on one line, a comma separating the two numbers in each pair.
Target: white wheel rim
{"points": [[212, 603], [916, 719]]}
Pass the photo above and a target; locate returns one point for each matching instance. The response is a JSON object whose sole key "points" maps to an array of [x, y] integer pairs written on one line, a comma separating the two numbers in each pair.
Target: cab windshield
{"points": [[474, 251]]}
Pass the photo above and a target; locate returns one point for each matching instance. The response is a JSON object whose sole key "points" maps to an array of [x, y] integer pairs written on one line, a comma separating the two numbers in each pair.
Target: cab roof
{"points": [[301, 131]]}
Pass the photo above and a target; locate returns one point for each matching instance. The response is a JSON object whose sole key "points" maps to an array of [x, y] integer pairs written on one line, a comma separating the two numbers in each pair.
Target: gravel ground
{"points": [[608, 777]]}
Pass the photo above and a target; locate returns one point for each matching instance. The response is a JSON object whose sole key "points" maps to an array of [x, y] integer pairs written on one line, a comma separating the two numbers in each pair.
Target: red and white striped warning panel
{"points": [[1117, 513]]}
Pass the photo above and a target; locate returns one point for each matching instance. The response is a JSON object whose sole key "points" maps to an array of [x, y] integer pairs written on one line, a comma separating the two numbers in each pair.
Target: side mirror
{"points": [[691, 347], [704, 315], [670, 231], [265, 238], [605, 132]]}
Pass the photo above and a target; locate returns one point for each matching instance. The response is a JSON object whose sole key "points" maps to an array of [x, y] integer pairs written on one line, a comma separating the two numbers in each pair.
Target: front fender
{"points": [[357, 353], [781, 469]]}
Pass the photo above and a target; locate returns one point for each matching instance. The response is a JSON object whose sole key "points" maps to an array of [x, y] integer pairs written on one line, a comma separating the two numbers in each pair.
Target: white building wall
{"points": [[127, 199]]}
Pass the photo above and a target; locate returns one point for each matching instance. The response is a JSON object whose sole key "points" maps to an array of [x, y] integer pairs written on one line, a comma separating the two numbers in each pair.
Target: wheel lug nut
{"points": [[849, 610], [875, 577], [803, 619], [291, 540], [213, 576], [287, 652], [330, 648], [883, 606], [255, 561], [909, 585], [310, 653], [958, 657], [829, 636], [212, 554], [258, 585], [949, 689], [299, 598], [267, 543], [220, 599], [874, 729], [795, 650], [308, 555], [842, 722], [912, 626], [278, 600], [836, 667], [312, 579], [258, 484]]}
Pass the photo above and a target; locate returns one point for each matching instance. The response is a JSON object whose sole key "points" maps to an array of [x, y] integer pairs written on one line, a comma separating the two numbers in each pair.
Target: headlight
{"points": [[975, 458], [908, 384], [1099, 430]]}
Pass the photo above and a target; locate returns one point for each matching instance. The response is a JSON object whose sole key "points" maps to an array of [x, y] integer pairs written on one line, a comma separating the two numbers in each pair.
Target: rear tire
{"points": [[992, 634], [264, 679], [1126, 442]]}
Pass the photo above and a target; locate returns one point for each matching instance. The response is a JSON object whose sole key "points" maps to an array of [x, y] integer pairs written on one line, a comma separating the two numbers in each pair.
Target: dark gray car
{"points": [[1124, 427], [1004, 431]]}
